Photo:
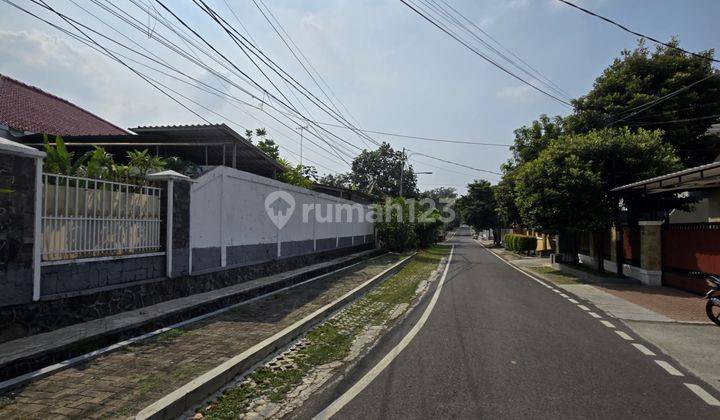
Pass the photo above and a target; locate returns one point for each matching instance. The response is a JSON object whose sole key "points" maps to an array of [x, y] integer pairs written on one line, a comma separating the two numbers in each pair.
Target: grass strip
{"points": [[330, 341]]}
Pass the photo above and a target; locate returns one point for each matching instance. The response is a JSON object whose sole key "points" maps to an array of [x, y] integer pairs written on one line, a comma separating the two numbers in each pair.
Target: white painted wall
{"points": [[227, 208]]}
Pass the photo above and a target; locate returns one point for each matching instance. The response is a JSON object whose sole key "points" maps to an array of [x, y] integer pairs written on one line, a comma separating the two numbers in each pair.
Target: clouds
{"points": [[83, 76]]}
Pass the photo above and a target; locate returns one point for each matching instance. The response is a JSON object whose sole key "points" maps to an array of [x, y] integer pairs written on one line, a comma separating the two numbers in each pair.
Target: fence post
{"points": [[20, 222], [651, 252], [177, 221]]}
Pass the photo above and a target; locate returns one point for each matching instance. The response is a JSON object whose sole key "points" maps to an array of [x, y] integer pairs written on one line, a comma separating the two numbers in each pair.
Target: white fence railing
{"points": [[84, 217]]}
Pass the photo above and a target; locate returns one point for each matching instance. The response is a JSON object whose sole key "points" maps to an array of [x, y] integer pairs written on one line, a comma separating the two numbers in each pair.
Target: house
{"points": [[25, 109]]}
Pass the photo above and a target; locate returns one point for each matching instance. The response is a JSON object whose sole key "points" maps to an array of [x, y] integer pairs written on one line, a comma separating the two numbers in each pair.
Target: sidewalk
{"points": [[673, 320], [119, 384]]}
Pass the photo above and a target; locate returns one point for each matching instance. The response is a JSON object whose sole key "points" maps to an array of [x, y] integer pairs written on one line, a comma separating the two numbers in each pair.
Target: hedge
{"points": [[520, 243]]}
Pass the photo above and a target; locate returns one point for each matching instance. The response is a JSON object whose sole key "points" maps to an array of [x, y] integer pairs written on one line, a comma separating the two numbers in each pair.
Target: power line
{"points": [[477, 143], [626, 29], [481, 55], [707, 117], [456, 164]]}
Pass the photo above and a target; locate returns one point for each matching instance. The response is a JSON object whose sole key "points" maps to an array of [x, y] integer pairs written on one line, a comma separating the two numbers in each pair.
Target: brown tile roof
{"points": [[27, 108]]}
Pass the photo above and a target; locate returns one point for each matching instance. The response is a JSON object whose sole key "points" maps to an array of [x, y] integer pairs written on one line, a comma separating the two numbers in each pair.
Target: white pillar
{"points": [[37, 232]]}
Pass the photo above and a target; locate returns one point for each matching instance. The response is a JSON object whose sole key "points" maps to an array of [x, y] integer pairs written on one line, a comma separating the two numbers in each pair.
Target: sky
{"points": [[392, 70]]}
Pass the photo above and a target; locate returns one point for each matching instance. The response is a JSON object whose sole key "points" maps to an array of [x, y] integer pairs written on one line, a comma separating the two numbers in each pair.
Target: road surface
{"points": [[498, 344]]}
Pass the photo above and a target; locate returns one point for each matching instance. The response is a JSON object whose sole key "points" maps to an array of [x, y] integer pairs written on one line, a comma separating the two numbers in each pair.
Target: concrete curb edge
{"points": [[196, 391]]}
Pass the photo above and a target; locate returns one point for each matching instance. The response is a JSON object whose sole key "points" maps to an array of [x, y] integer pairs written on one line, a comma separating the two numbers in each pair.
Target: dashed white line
{"points": [[594, 315], [644, 350], [669, 368], [572, 301], [564, 295], [556, 291], [704, 395], [607, 323], [583, 307], [624, 335]]}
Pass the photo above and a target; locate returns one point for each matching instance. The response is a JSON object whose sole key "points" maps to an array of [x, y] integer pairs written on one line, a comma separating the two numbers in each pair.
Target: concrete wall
{"points": [[229, 224]]}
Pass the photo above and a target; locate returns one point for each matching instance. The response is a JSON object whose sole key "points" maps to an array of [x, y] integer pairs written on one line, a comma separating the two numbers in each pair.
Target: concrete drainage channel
{"points": [[199, 389], [42, 362]]}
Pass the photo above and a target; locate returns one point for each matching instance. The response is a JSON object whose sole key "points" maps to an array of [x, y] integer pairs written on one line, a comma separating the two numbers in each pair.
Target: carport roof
{"points": [[699, 177]]}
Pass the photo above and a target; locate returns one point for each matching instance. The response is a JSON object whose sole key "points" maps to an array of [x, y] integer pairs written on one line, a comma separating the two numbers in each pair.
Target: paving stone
{"points": [[144, 372]]}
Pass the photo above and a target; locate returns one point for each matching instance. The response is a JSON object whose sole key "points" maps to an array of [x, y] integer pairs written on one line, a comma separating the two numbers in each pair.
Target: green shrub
{"points": [[520, 243]]}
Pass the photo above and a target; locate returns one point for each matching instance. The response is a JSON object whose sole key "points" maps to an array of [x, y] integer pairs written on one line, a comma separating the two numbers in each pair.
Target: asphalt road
{"points": [[499, 345]]}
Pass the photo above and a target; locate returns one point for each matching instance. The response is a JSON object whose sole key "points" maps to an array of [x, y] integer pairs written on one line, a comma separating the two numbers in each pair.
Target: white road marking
{"points": [[669, 368], [583, 307], [557, 291], [704, 395], [607, 324], [360, 385], [564, 295], [594, 315], [644, 350], [511, 265], [573, 301], [624, 335]]}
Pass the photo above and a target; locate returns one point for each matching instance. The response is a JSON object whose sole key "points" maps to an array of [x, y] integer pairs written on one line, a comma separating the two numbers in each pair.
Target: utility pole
{"points": [[301, 128]]}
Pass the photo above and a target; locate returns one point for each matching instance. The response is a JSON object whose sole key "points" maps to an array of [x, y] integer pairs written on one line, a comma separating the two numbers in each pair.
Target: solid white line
{"points": [[644, 350], [607, 324], [669, 368], [360, 385], [573, 301], [709, 399], [624, 335], [514, 267], [93, 354], [594, 315], [583, 307]]}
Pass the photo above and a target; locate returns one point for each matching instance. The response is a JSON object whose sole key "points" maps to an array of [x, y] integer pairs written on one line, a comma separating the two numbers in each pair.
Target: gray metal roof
{"points": [[699, 177]]}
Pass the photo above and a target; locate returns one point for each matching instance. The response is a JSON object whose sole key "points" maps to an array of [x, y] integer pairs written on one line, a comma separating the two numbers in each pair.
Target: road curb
{"points": [[196, 391]]}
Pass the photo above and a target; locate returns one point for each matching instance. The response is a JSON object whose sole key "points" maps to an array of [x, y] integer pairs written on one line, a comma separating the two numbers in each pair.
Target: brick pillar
{"points": [[651, 252], [175, 226], [20, 234]]}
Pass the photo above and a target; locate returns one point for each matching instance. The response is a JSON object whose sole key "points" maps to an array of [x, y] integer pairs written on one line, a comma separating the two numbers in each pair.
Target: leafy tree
{"points": [[504, 192], [567, 187], [445, 201], [395, 226], [270, 148], [478, 206], [533, 139], [378, 171], [299, 175], [342, 180], [640, 76]]}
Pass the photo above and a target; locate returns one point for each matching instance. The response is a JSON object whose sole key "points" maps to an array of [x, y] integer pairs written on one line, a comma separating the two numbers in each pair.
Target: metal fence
{"points": [[84, 217]]}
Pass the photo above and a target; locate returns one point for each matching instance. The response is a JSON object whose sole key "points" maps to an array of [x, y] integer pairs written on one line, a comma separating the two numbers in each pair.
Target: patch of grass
{"points": [[331, 340], [5, 401], [556, 276]]}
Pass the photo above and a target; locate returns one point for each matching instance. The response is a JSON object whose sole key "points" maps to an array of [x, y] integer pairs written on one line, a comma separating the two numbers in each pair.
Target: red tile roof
{"points": [[27, 108]]}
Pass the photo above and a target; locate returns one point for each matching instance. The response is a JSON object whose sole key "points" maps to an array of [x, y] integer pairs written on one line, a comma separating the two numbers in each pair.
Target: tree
{"points": [[640, 76], [568, 186], [299, 175], [378, 171], [478, 207], [504, 192], [342, 180], [533, 139], [445, 201]]}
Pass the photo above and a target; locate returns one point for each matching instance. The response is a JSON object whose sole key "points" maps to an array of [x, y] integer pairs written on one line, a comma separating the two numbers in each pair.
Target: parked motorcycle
{"points": [[712, 307]]}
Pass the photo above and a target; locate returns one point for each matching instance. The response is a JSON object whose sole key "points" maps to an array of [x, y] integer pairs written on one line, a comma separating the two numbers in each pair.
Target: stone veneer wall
{"points": [[17, 226], [28, 319]]}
